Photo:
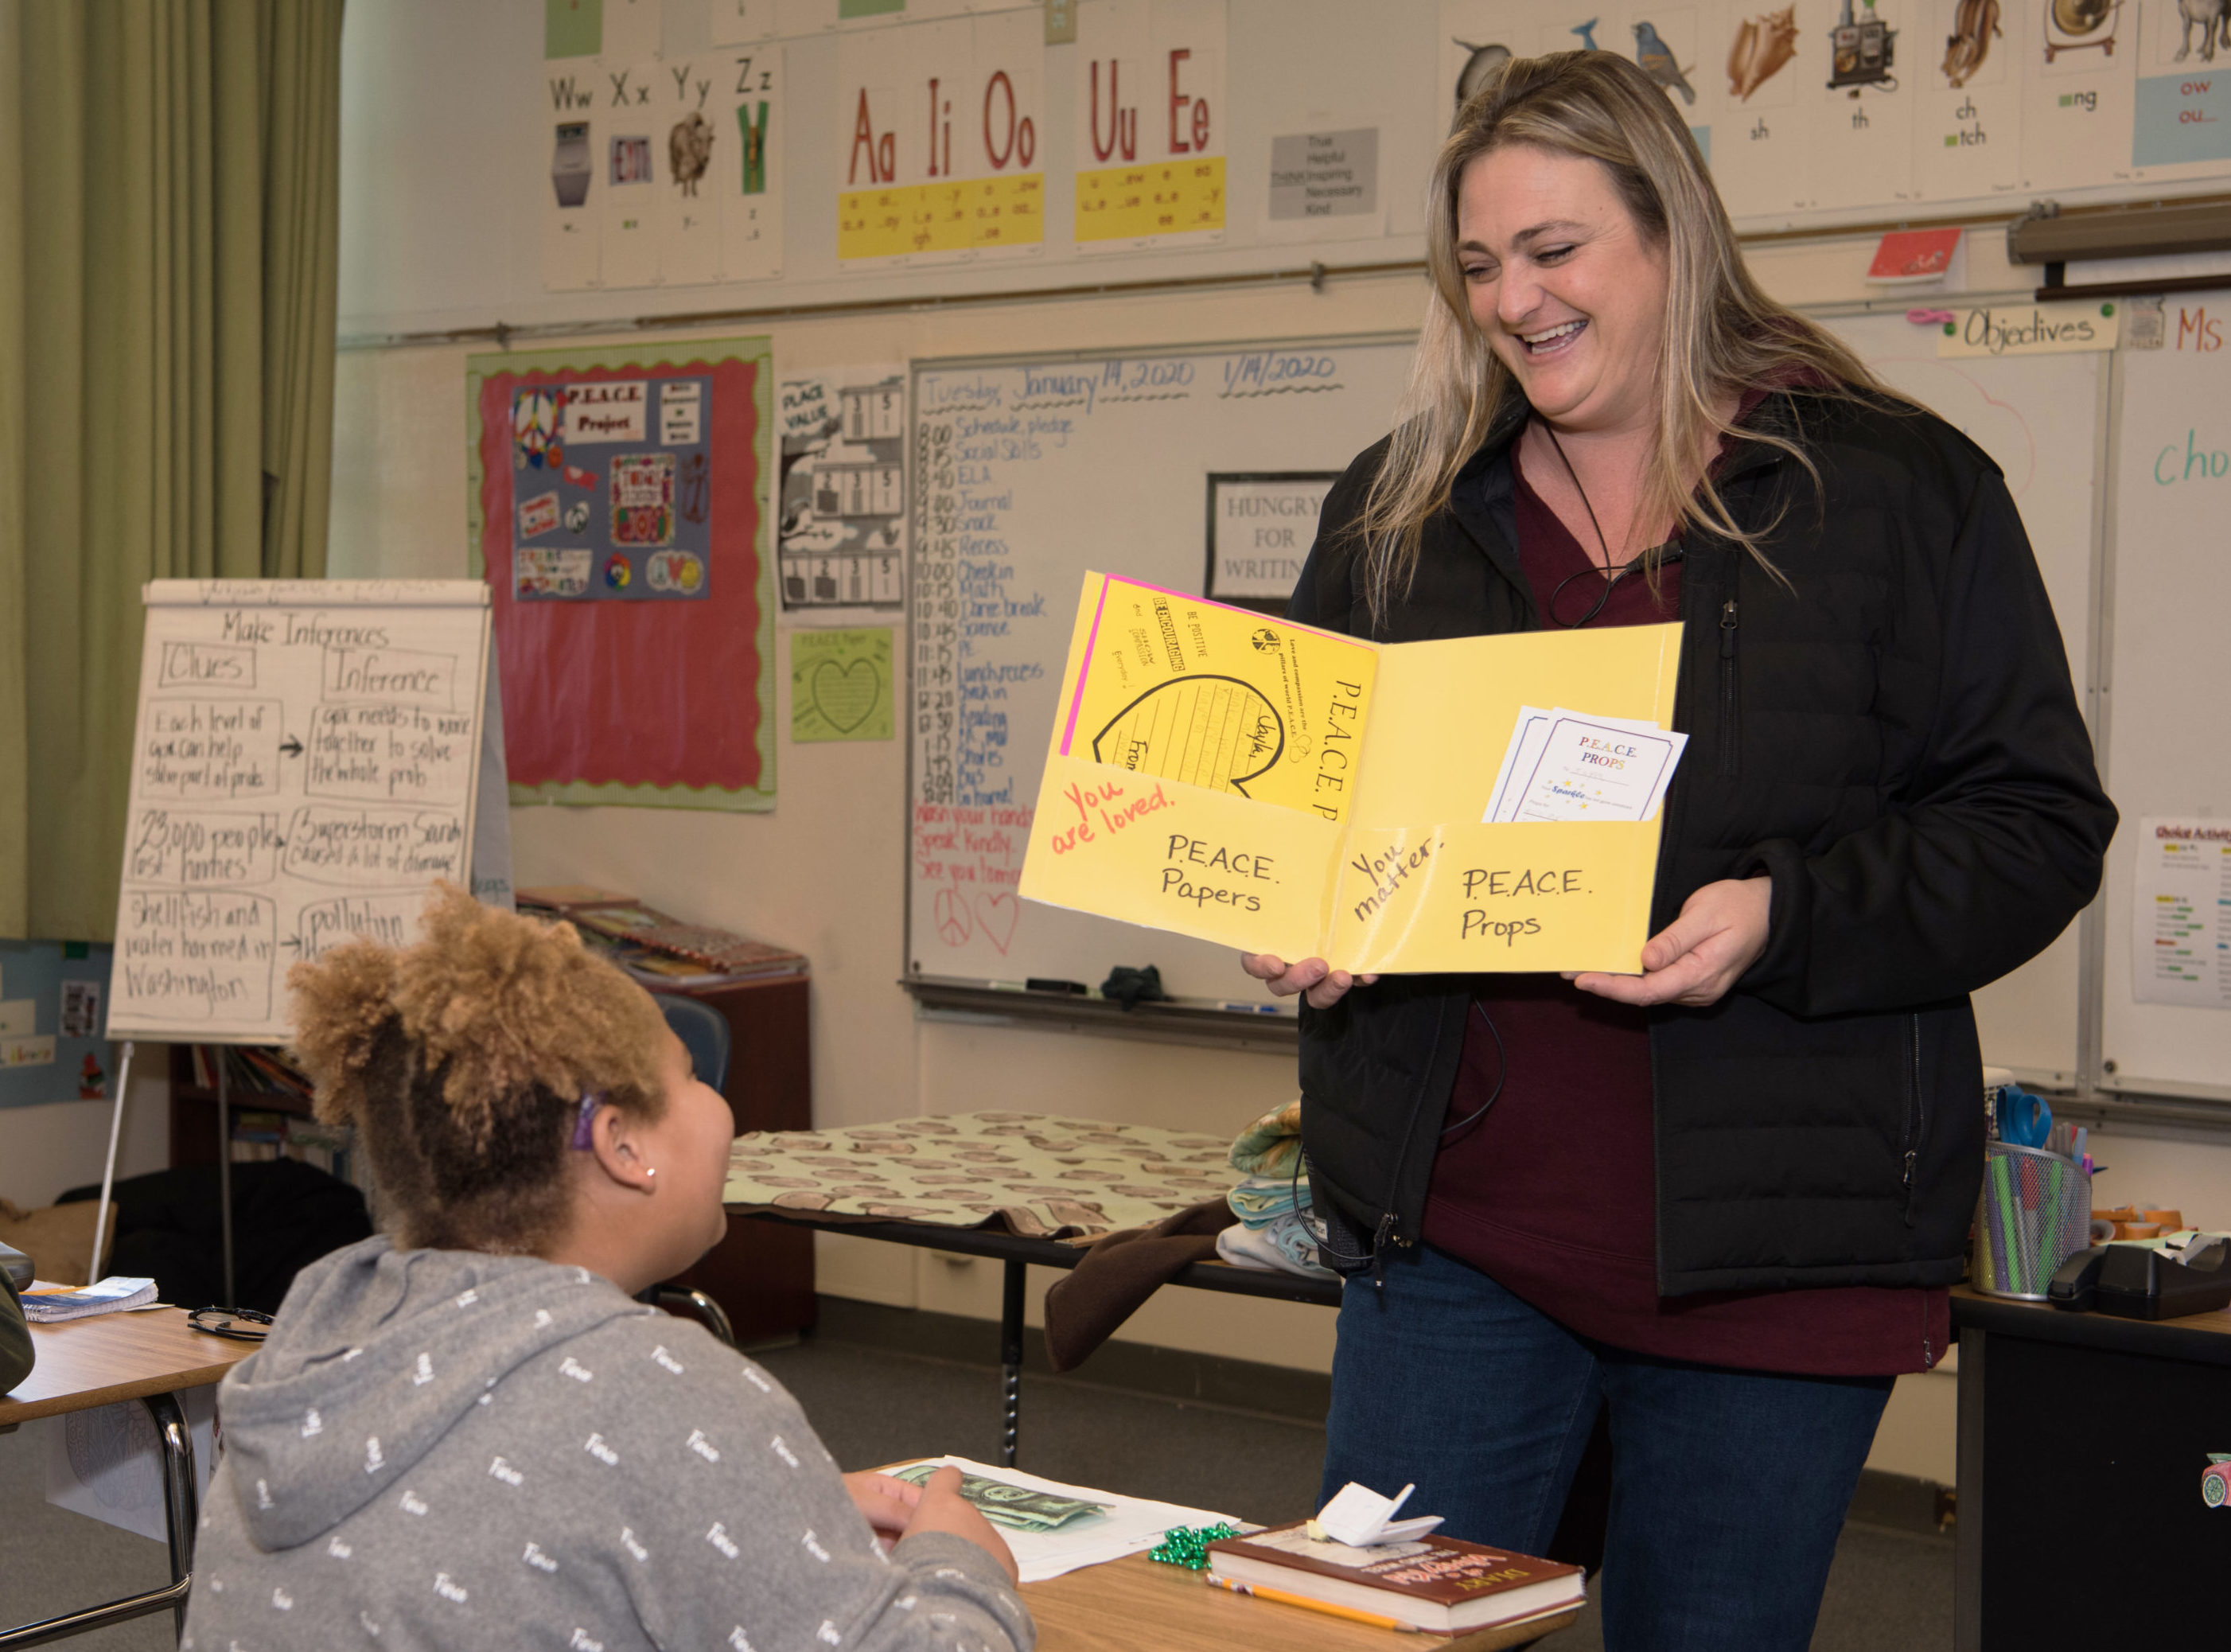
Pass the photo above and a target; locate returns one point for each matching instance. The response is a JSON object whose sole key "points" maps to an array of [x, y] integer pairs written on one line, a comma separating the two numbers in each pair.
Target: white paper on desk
{"points": [[106, 1461], [1131, 1525], [1565, 765]]}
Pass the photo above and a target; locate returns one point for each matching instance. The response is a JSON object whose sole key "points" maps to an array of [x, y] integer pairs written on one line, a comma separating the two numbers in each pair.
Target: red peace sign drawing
{"points": [[951, 910]]}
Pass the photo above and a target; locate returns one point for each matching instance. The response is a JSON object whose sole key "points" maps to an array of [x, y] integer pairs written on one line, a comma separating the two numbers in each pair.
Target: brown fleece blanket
{"points": [[1084, 1307]]}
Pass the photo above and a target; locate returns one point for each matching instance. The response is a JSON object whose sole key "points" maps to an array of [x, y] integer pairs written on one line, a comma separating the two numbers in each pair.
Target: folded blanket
{"points": [[1261, 1200], [1267, 1147], [1285, 1246]]}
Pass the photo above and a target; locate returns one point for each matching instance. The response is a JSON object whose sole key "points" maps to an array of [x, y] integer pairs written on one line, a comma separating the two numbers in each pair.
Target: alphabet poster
{"points": [[663, 170], [1837, 108], [940, 124], [1151, 118], [618, 513]]}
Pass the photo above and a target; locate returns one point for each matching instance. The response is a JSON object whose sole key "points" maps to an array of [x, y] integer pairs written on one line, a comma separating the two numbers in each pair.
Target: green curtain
{"points": [[169, 253]]}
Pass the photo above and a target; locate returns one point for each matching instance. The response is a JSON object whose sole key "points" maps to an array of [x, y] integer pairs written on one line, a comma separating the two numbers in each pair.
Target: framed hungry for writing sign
{"points": [[1261, 524]]}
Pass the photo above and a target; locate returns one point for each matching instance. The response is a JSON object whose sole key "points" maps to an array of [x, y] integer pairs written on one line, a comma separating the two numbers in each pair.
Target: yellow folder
{"points": [[1277, 788]]}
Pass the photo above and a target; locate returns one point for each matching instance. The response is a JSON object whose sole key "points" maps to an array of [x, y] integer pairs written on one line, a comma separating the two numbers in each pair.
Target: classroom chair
{"points": [[704, 1032]]}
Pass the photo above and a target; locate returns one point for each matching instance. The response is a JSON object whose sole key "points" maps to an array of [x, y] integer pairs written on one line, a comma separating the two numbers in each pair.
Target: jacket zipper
{"points": [[1917, 1112], [1730, 727]]}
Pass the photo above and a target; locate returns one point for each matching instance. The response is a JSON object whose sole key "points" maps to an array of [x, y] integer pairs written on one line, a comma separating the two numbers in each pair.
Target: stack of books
{"points": [[658, 949], [1443, 1585]]}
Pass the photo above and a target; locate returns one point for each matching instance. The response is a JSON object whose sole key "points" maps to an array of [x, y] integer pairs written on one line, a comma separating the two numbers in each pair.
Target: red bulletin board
{"points": [[664, 703]]}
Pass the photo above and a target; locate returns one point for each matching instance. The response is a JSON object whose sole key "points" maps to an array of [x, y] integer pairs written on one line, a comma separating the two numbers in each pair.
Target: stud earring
{"points": [[650, 1172]]}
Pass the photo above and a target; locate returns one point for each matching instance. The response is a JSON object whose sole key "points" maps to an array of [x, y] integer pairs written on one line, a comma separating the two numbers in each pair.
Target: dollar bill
{"points": [[1019, 1508]]}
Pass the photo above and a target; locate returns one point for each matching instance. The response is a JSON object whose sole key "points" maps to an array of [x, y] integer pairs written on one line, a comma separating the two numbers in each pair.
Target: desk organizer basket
{"points": [[2035, 1212]]}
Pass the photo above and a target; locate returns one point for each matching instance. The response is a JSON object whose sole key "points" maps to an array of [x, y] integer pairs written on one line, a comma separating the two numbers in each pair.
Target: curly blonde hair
{"points": [[461, 1061]]}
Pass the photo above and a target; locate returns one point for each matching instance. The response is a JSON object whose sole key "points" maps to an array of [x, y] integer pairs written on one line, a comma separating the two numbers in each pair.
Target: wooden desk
{"points": [[145, 1357], [1135, 1604], [2082, 1441]]}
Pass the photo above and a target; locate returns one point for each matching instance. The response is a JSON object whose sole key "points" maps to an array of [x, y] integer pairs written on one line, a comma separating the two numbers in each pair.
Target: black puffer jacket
{"points": [[1893, 737]]}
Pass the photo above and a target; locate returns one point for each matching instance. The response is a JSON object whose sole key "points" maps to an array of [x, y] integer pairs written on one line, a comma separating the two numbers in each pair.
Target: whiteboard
{"points": [[2167, 752], [306, 760], [2038, 417], [1029, 473], [1123, 487]]}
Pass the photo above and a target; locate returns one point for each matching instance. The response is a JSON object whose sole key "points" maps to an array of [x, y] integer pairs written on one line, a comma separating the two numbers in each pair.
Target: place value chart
{"points": [[304, 766]]}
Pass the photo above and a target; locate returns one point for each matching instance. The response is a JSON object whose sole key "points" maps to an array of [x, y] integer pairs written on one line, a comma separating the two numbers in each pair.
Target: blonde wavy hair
{"points": [[461, 1061], [1723, 334]]}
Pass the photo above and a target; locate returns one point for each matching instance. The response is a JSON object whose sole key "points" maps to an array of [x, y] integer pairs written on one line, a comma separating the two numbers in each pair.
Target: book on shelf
{"points": [[1445, 1585]]}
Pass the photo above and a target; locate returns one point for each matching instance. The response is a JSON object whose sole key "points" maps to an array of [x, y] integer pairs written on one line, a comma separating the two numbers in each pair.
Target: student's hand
{"points": [[1697, 957], [943, 1508], [1324, 985], [888, 1503]]}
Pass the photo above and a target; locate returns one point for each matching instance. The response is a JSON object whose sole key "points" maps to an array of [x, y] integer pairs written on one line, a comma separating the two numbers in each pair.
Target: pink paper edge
{"points": [[1085, 667]]}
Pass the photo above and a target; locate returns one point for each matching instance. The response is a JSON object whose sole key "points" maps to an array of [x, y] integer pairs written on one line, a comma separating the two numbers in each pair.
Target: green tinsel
{"points": [[1187, 1545]]}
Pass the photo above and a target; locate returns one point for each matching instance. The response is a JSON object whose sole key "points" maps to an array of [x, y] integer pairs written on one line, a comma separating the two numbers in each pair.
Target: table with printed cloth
{"points": [[1023, 1188]]}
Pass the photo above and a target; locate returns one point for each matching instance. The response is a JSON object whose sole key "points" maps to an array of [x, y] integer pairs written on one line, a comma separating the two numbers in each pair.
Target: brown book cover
{"points": [[1434, 1582]]}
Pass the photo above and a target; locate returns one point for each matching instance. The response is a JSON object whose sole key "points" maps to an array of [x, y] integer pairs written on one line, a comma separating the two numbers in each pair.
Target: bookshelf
{"points": [[193, 1109]]}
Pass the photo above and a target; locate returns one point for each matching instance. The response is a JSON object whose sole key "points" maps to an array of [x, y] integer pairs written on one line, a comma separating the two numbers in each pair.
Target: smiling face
{"points": [[1564, 285]]}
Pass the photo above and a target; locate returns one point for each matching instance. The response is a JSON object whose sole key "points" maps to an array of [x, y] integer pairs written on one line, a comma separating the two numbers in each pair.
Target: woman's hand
{"points": [[1701, 954], [943, 1508], [1324, 985]]}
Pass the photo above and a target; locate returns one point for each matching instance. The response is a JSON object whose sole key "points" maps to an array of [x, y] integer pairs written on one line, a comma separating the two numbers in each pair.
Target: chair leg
{"points": [[714, 1316]]}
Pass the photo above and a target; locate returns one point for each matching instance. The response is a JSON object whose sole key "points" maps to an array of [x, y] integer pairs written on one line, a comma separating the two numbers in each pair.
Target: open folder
{"points": [[1277, 788]]}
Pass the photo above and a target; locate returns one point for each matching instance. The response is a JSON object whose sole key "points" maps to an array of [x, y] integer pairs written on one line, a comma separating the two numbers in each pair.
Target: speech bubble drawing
{"points": [[1212, 731]]}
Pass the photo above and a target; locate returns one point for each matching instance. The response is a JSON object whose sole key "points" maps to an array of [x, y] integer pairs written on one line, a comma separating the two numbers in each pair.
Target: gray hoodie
{"points": [[442, 1449]]}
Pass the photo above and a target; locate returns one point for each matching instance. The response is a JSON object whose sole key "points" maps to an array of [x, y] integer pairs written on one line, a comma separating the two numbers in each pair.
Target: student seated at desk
{"points": [[466, 1433]]}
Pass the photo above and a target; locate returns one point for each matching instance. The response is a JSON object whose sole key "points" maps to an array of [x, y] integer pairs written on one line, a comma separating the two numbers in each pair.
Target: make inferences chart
{"points": [[309, 757]]}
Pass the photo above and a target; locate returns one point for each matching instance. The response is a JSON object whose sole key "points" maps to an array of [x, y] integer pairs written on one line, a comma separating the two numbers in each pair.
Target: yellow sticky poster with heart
{"points": [[840, 685], [1276, 788]]}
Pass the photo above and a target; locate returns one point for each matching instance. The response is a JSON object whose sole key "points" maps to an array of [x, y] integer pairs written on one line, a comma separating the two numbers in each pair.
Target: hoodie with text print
{"points": [[443, 1448]]}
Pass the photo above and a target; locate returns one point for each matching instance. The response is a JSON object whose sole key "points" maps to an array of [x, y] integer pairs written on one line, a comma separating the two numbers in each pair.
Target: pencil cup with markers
{"points": [[2035, 1212]]}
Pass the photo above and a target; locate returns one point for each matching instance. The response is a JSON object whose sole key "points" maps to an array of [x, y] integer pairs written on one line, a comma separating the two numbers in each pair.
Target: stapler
{"points": [[2136, 1282]]}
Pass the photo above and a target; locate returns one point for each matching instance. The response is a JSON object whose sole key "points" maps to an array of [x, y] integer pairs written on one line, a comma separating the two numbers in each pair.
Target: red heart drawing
{"points": [[998, 913], [951, 910]]}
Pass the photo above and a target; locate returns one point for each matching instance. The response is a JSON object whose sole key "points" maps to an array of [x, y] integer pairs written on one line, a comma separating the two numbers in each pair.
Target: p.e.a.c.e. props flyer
{"points": [[1282, 789]]}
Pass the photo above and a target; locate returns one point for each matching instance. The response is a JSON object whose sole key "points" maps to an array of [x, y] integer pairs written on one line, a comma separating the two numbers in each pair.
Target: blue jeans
{"points": [[1729, 1487]]}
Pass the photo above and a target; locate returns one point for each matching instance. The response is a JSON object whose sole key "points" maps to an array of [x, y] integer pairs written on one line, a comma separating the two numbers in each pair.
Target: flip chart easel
{"points": [[308, 756]]}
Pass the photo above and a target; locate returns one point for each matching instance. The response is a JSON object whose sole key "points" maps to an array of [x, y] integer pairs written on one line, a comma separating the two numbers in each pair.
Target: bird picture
{"points": [[1762, 47], [1483, 62], [689, 148], [1586, 31], [1657, 60]]}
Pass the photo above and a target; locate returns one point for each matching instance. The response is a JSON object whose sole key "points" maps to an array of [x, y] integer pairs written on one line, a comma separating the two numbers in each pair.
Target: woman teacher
{"points": [[1722, 1199]]}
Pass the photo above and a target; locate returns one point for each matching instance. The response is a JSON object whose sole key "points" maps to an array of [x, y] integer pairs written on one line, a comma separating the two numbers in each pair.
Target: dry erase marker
{"points": [[1250, 1009], [1261, 1593]]}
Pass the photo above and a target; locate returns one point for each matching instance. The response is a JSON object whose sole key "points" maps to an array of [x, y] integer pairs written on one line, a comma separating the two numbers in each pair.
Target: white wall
{"points": [[46, 1150], [823, 872]]}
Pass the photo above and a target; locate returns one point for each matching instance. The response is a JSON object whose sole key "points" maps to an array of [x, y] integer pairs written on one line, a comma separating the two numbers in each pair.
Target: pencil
{"points": [[1260, 1592]]}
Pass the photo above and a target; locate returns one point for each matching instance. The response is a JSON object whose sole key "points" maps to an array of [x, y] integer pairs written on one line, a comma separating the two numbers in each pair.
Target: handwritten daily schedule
{"points": [[1276, 788]]}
